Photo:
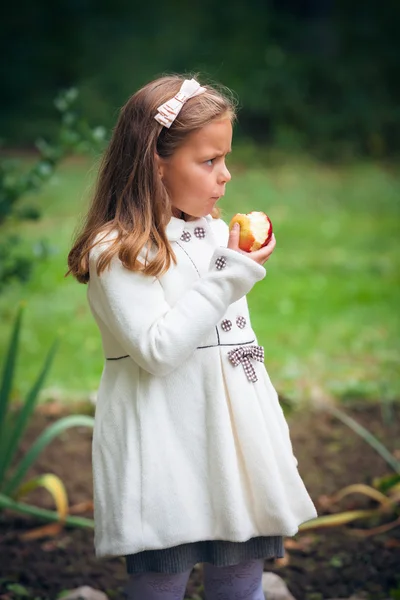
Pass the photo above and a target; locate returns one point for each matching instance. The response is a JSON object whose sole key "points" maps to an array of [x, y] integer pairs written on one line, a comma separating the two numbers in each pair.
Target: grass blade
{"points": [[366, 490], [6, 384], [338, 519], [386, 483], [26, 411], [368, 437], [55, 486], [376, 530], [40, 443], [52, 484], [48, 515]]}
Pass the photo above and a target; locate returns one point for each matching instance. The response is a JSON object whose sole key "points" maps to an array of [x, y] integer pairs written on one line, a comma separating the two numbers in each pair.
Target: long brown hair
{"points": [[130, 198]]}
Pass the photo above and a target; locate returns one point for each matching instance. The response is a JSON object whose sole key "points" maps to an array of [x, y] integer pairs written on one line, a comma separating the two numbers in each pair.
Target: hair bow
{"points": [[243, 355], [168, 111]]}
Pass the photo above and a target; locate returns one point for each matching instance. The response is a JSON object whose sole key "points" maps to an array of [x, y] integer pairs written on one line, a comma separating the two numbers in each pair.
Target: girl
{"points": [[192, 458]]}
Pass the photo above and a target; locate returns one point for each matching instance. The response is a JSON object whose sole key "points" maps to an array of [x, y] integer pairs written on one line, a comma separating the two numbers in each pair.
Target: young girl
{"points": [[192, 458]]}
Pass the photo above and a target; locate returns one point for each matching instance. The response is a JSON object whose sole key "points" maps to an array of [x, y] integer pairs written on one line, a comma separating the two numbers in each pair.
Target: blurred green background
{"points": [[315, 74], [316, 147]]}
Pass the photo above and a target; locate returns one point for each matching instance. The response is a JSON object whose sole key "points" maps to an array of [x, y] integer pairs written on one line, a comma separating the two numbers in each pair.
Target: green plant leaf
{"points": [[22, 420], [5, 389], [42, 513], [366, 490], [40, 443], [338, 519], [367, 436], [19, 590], [54, 486], [387, 482]]}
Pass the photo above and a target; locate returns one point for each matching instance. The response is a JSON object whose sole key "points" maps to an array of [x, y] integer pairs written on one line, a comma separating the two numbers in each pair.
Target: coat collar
{"points": [[176, 226]]}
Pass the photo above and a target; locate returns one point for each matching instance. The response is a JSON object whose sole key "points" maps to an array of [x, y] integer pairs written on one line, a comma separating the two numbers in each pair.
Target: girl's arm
{"points": [[157, 336]]}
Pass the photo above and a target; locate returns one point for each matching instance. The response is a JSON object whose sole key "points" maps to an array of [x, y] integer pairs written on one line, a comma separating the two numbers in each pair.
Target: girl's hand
{"points": [[260, 256]]}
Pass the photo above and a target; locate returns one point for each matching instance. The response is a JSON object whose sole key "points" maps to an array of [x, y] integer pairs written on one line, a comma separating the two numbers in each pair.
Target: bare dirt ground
{"points": [[325, 564]]}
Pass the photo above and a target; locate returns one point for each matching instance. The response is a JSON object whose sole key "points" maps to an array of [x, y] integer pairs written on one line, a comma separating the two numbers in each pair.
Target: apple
{"points": [[255, 230]]}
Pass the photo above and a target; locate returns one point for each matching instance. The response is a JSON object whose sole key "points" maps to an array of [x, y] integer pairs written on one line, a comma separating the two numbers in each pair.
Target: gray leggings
{"points": [[234, 582]]}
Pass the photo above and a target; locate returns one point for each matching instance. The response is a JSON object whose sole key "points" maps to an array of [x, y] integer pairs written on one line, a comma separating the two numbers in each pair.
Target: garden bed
{"points": [[324, 564]]}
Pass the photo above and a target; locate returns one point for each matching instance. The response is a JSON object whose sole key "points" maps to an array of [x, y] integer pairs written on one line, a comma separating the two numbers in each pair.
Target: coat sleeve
{"points": [[159, 337]]}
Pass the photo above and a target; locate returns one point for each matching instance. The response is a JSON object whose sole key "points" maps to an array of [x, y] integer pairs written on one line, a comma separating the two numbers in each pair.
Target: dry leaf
{"points": [[280, 563], [50, 529], [81, 507], [303, 543]]}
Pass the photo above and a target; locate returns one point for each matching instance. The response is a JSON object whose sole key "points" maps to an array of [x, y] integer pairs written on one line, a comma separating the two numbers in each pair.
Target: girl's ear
{"points": [[159, 164]]}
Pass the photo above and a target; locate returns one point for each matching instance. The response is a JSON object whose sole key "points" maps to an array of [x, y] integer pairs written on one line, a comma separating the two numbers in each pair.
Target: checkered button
{"points": [[226, 325], [185, 237], [220, 263], [241, 322], [200, 232]]}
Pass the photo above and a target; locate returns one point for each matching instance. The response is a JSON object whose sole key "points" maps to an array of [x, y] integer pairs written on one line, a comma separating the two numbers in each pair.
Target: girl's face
{"points": [[195, 175]]}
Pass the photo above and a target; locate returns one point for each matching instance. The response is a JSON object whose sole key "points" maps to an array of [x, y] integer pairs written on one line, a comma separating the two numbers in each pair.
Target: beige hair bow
{"points": [[168, 111]]}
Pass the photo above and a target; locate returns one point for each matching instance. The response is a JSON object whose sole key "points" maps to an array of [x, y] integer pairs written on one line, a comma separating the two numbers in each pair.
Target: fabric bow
{"points": [[168, 111], [243, 355]]}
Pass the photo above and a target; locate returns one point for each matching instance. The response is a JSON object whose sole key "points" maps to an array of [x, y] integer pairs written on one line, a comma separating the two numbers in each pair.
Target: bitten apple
{"points": [[255, 230]]}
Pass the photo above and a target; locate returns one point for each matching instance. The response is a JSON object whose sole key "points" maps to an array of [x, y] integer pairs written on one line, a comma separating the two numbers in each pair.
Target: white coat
{"points": [[186, 445]]}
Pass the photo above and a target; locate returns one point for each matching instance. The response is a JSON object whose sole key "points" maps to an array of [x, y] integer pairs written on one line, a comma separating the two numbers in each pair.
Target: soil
{"points": [[329, 563]]}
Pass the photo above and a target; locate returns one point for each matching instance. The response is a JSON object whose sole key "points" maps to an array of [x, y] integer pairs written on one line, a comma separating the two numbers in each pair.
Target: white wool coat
{"points": [[185, 446]]}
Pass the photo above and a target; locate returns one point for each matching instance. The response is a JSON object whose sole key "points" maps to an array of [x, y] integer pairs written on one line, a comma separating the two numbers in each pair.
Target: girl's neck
{"points": [[179, 214]]}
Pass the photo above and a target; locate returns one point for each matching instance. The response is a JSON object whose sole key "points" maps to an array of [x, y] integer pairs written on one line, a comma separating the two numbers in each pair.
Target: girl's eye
{"points": [[209, 162]]}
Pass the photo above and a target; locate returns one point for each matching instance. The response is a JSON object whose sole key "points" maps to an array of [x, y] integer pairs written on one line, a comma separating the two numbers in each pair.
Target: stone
{"points": [[359, 596], [275, 588], [85, 592]]}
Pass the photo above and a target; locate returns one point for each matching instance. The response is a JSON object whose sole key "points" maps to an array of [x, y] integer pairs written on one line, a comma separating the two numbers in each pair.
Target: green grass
{"points": [[327, 313]]}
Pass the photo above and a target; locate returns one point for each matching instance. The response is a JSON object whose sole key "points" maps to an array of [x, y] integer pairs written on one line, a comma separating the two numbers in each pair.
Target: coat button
{"points": [[226, 325], [200, 232], [185, 237], [241, 322], [220, 263]]}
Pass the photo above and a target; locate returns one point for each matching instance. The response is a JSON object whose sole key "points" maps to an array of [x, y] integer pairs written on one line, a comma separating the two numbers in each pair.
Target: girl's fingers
{"points": [[259, 256], [264, 253], [233, 240]]}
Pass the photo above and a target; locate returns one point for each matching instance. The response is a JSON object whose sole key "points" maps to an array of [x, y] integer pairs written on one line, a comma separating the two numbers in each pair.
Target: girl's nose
{"points": [[225, 175]]}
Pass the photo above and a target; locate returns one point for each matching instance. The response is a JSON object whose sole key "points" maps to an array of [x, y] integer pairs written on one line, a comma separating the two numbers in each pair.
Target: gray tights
{"points": [[235, 582]]}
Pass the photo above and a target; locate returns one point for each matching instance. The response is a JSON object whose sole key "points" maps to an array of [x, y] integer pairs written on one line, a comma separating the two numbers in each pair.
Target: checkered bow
{"points": [[243, 355]]}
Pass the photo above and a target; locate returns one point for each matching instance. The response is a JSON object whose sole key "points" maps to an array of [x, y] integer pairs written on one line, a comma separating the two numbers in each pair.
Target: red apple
{"points": [[255, 230]]}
